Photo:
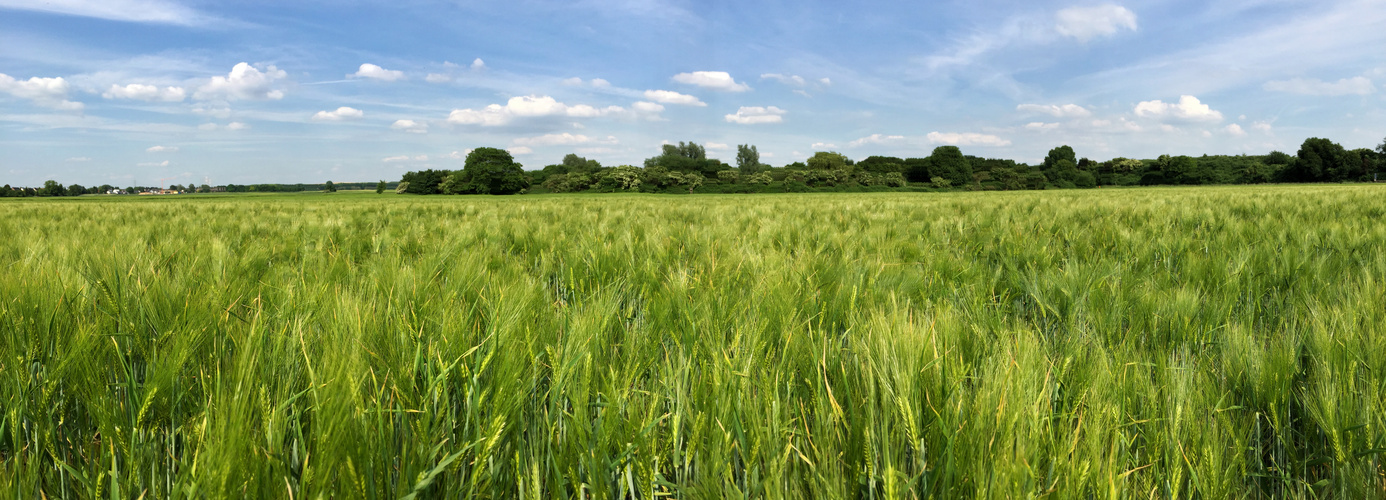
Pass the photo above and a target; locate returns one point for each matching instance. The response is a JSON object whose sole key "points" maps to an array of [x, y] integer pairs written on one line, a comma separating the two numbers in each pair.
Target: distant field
{"points": [[1139, 343]]}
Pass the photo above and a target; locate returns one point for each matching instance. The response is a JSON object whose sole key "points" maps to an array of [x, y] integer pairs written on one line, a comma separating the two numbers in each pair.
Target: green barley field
{"points": [[1208, 343]]}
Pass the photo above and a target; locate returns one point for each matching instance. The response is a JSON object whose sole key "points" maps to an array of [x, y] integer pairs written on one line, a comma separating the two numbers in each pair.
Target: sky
{"points": [[158, 92]]}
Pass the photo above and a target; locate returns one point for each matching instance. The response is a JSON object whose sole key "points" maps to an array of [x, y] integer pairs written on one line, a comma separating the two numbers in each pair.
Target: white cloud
{"points": [[46, 92], [458, 155], [600, 83], [1041, 126], [342, 113], [1262, 127], [478, 64], [1085, 23], [1235, 130], [145, 93], [715, 80], [573, 82], [671, 97], [526, 106], [966, 139], [162, 149], [716, 146], [146, 11], [236, 126], [1057, 111], [875, 139], [825, 81], [153, 164], [437, 78], [647, 107], [1188, 109], [410, 126], [563, 139], [395, 159], [822, 145], [785, 79], [1359, 85], [374, 72], [79, 159], [243, 82], [519, 150], [750, 115]]}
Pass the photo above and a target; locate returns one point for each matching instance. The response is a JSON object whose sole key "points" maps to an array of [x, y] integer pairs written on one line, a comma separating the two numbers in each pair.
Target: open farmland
{"points": [[1152, 343]]}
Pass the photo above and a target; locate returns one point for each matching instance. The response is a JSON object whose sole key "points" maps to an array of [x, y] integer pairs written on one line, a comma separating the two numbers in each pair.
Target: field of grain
{"points": [[1150, 343]]}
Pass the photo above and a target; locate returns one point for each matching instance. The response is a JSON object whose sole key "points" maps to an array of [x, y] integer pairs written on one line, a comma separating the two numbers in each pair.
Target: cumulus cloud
{"points": [[437, 78], [600, 83], [1041, 126], [966, 139], [46, 92], [875, 139], [671, 97], [519, 150], [1057, 111], [1086, 23], [825, 81], [396, 159], [1189, 108], [236, 126], [750, 115], [526, 107], [243, 82], [785, 79], [822, 145], [1261, 127], [1235, 130], [374, 72], [458, 155], [478, 64], [342, 113], [145, 93], [647, 107], [410, 126], [1359, 85], [715, 80], [161, 149]]}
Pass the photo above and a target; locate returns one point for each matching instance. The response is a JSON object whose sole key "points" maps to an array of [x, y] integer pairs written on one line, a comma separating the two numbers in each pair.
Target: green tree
{"points": [[882, 164], [423, 182], [574, 163], [948, 162], [52, 188], [1319, 160], [76, 190], [828, 160], [748, 159], [1057, 154], [380, 187], [493, 171], [330, 187]]}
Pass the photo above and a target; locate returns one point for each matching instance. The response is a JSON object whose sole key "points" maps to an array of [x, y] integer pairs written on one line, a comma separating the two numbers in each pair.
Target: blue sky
{"points": [[179, 91]]}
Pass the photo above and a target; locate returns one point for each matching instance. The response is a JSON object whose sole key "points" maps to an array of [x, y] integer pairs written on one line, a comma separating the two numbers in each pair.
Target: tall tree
{"points": [[380, 187], [1060, 153], [330, 187], [747, 159], [1319, 160], [948, 162], [493, 171]]}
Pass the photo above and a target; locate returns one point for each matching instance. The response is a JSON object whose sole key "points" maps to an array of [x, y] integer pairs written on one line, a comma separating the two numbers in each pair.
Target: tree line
{"points": [[54, 188], [685, 168]]}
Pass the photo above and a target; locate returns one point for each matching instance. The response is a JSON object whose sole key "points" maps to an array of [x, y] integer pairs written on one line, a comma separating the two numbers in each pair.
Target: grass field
{"points": [[1146, 343]]}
